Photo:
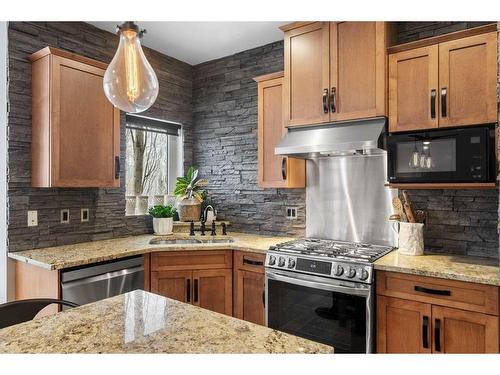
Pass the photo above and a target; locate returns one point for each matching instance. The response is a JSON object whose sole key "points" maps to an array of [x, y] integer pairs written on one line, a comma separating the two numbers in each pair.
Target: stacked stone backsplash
{"points": [[107, 206], [225, 129]]}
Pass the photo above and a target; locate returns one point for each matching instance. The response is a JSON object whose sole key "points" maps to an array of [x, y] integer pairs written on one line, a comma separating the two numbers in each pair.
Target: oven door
{"points": [[333, 312]]}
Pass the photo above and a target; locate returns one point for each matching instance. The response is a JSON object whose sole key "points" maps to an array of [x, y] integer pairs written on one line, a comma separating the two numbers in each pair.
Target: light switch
{"points": [[291, 213], [84, 215], [32, 218]]}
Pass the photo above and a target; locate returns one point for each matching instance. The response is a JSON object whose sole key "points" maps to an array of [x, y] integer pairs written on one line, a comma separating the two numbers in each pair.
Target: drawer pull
{"points": [[253, 262], [425, 332], [432, 291], [188, 290], [195, 290]]}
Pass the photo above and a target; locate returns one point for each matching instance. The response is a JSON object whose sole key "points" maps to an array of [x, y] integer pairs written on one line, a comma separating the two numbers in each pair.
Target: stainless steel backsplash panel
{"points": [[346, 199]]}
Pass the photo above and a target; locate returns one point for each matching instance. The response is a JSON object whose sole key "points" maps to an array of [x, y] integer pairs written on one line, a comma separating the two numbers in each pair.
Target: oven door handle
{"points": [[331, 287]]}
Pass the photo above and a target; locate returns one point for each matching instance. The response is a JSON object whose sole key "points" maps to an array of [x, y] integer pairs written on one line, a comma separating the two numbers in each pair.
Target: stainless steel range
{"points": [[323, 290]]}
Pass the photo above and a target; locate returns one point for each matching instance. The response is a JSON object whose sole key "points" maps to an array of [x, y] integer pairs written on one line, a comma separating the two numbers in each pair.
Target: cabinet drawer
{"points": [[191, 260], [249, 261], [451, 293]]}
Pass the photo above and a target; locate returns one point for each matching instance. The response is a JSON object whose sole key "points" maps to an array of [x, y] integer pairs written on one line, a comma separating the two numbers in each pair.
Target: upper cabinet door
{"points": [[306, 82], [468, 80], [85, 130], [358, 70], [413, 89]]}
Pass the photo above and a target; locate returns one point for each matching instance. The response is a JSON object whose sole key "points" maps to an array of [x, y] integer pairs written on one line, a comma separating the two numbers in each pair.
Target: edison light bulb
{"points": [[130, 82]]}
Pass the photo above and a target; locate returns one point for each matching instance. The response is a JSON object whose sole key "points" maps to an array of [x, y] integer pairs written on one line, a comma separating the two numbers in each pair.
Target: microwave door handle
{"points": [[333, 287]]}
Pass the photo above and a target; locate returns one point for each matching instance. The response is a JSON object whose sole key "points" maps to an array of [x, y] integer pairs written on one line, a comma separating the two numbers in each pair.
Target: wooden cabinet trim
{"points": [[466, 296], [267, 77], [443, 38], [193, 260], [450, 185], [294, 25], [68, 55]]}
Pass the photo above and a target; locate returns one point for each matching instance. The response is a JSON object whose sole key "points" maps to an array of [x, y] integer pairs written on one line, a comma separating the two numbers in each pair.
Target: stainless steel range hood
{"points": [[360, 137]]}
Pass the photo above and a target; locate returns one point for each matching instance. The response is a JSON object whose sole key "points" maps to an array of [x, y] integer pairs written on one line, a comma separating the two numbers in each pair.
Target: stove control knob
{"points": [[363, 274], [351, 272], [281, 262], [339, 270], [272, 260], [291, 263]]}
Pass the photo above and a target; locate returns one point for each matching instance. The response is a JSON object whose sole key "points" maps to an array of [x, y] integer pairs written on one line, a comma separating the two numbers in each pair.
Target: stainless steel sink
{"points": [[217, 240], [174, 241]]}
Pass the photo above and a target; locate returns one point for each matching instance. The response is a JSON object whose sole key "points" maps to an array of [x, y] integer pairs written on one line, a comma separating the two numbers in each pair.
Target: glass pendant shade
{"points": [[130, 82]]}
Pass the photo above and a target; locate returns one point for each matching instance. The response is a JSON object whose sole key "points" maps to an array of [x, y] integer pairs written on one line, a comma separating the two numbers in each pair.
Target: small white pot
{"points": [[163, 226]]}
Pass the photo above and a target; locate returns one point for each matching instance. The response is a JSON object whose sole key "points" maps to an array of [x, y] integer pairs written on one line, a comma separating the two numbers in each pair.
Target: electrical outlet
{"points": [[291, 213], [84, 215], [32, 218], [65, 216]]}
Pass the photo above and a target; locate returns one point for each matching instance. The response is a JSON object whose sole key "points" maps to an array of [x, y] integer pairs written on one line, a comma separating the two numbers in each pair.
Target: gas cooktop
{"points": [[329, 258]]}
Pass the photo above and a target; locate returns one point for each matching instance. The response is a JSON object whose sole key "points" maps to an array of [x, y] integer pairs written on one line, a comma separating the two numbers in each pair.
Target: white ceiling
{"points": [[196, 42]]}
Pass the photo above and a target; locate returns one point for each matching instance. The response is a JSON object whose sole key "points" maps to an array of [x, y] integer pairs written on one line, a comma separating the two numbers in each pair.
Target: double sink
{"points": [[186, 241]]}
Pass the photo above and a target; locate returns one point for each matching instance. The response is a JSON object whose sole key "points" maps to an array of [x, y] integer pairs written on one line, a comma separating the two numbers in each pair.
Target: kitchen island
{"points": [[142, 322]]}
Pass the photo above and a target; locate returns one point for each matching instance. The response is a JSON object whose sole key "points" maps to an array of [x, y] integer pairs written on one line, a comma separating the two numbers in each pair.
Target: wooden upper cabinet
{"points": [[458, 331], [468, 80], [76, 130], [274, 171], [445, 81], [358, 69], [306, 82], [413, 89]]}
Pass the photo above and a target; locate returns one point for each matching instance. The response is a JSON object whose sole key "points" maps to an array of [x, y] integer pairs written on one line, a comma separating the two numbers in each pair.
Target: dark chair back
{"points": [[23, 310]]}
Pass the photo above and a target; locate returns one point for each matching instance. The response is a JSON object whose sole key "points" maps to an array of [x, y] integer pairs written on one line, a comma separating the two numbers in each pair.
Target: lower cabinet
{"points": [[201, 278], [419, 315], [248, 291]]}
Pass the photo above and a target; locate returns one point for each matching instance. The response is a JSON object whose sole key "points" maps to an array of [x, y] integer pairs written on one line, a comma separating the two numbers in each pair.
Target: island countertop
{"points": [[142, 322], [452, 267], [66, 256]]}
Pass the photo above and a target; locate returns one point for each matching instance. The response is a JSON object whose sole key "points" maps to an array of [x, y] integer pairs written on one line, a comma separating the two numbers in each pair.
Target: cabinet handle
{"points": [[443, 102], [437, 335], [188, 290], [325, 101], [332, 99], [432, 291], [264, 298], [283, 168], [195, 290], [253, 262], [433, 103], [425, 332], [117, 167]]}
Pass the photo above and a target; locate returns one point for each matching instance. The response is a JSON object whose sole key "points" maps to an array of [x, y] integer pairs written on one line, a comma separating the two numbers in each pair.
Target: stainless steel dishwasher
{"points": [[102, 280]]}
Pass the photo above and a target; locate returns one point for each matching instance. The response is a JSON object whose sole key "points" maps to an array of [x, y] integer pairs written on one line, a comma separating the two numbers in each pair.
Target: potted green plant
{"points": [[188, 189], [162, 219]]}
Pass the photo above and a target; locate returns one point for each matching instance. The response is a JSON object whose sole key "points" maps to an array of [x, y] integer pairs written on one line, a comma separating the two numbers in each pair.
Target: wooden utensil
{"points": [[398, 208], [409, 213], [395, 217]]}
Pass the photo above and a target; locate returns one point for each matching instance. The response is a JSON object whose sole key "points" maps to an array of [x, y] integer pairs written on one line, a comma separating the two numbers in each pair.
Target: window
{"points": [[153, 162]]}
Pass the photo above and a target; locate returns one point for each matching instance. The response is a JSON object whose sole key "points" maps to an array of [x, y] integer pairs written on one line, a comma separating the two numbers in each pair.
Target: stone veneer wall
{"points": [[225, 129], [107, 206]]}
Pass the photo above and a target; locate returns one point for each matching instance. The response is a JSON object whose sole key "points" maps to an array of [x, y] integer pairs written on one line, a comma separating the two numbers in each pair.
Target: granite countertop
{"points": [[142, 322], [67, 256], [453, 267]]}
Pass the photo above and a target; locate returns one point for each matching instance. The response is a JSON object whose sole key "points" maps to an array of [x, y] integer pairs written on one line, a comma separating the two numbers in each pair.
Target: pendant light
{"points": [[130, 82]]}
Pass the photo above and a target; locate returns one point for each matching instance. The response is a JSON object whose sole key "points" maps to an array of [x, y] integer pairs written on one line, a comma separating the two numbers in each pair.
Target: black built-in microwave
{"points": [[450, 155]]}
